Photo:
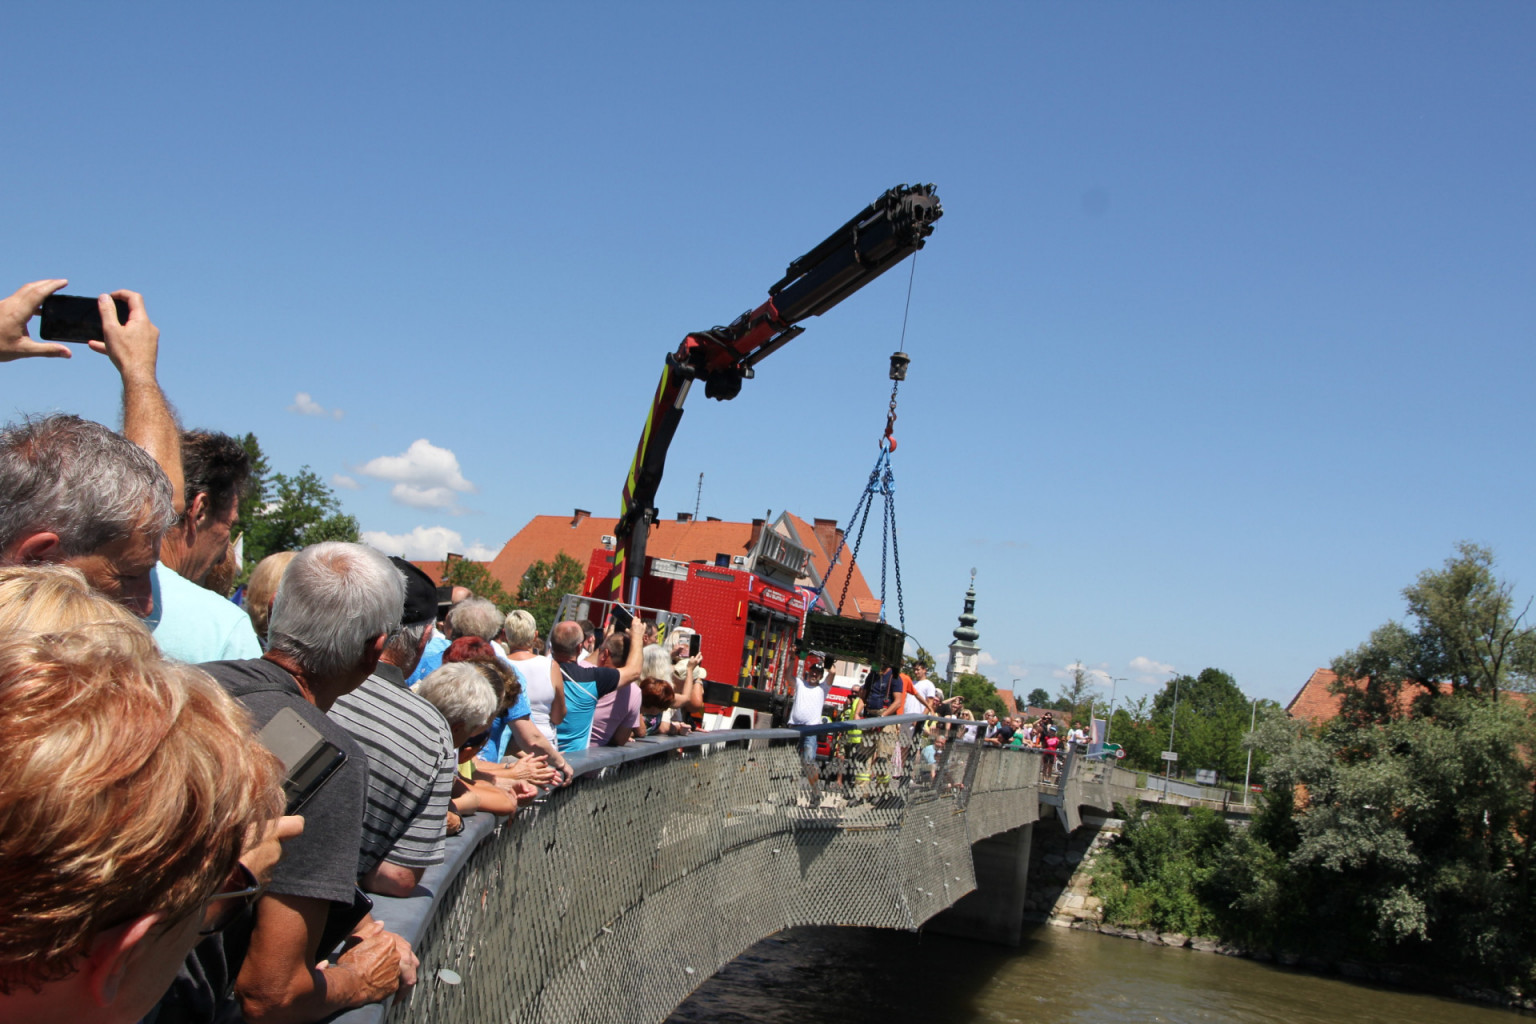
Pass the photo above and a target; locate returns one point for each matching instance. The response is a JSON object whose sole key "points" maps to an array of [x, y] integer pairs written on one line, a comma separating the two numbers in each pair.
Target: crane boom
{"points": [[877, 238]]}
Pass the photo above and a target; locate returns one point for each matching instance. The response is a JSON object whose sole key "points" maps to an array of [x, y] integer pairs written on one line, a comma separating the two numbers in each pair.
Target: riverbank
{"points": [[1062, 873]]}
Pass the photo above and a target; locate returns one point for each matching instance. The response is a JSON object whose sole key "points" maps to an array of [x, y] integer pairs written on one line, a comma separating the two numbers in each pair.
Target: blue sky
{"points": [[1225, 335]]}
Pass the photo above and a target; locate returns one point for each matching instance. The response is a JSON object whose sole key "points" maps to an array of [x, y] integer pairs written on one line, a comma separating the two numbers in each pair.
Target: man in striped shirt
{"points": [[411, 759]]}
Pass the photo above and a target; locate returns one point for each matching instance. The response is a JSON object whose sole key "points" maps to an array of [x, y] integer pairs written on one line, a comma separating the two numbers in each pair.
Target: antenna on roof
{"points": [[698, 498]]}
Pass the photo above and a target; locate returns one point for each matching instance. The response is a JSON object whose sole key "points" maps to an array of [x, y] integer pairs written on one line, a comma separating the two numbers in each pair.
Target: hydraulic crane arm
{"points": [[877, 238]]}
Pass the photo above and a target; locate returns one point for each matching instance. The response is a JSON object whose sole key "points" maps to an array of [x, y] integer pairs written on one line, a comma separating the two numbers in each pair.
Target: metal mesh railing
{"points": [[619, 895]]}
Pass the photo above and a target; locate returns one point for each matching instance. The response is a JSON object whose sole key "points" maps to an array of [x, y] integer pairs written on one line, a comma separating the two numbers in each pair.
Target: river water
{"points": [[854, 975]]}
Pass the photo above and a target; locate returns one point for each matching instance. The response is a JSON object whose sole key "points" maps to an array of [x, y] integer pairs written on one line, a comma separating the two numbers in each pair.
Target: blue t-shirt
{"points": [[431, 659], [584, 684], [195, 625]]}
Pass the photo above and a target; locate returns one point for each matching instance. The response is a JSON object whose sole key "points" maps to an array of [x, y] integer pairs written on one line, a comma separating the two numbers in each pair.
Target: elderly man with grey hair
{"points": [[334, 614], [78, 494], [411, 755]]}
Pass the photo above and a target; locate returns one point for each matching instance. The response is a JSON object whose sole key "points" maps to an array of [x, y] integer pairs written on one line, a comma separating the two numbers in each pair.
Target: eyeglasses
{"points": [[234, 902], [476, 741]]}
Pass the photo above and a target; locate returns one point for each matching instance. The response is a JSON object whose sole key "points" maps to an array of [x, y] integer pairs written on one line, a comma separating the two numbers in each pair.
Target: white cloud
{"points": [[986, 659], [345, 482], [1018, 671], [425, 497], [304, 405], [1152, 671], [425, 476], [427, 543]]}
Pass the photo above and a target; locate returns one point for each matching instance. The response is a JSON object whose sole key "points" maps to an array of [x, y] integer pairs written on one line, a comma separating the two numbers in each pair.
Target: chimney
{"points": [[685, 517], [581, 514], [837, 539], [826, 534], [757, 531], [711, 519]]}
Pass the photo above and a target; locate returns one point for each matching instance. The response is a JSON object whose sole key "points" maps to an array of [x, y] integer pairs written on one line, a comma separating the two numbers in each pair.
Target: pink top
{"points": [[614, 710]]}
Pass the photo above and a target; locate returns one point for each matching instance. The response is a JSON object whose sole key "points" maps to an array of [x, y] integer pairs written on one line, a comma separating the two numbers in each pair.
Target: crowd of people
{"points": [[1038, 733], [160, 861]]}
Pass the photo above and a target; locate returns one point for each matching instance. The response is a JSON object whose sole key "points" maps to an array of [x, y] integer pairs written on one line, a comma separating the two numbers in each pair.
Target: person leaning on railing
{"points": [[463, 692]]}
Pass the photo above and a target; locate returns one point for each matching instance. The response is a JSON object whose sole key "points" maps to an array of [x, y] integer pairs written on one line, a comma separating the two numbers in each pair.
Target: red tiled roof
{"points": [[1316, 702], [1009, 698], [694, 541]]}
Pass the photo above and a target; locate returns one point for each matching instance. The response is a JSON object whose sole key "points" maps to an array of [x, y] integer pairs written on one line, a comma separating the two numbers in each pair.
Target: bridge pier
{"points": [[994, 912]]}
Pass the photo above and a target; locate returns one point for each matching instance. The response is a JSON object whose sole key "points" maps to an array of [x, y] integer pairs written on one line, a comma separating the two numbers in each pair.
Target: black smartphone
{"points": [[75, 318], [693, 645], [621, 619], [309, 757]]}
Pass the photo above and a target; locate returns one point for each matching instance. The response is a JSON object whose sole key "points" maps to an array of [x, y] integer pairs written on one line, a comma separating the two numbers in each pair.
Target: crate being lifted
{"points": [[876, 644]]}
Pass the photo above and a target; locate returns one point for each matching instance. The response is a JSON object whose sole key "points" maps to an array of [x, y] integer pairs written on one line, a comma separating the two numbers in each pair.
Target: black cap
{"points": [[420, 594]]}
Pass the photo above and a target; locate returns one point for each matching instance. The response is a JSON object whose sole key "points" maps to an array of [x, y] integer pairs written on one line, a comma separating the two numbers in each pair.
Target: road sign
{"points": [[1120, 755], [1170, 755]]}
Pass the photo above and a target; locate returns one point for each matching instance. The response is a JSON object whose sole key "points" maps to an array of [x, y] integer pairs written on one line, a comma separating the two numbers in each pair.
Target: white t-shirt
{"points": [[914, 706], [809, 700], [539, 688]]}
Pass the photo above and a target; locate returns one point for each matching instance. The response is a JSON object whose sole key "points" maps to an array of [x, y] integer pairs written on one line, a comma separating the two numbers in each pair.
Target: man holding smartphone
{"points": [[335, 610], [52, 470]]}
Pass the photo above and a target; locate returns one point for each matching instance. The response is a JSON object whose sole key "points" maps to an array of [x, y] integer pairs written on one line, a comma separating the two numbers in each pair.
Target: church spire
{"points": [[963, 652], [966, 631]]}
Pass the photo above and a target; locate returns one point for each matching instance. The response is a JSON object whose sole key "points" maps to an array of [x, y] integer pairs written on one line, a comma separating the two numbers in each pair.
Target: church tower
{"points": [[963, 652]]}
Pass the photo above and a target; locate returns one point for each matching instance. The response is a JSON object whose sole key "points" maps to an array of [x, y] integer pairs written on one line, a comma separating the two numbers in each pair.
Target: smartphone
{"points": [[693, 645], [308, 757], [621, 619], [75, 318]]}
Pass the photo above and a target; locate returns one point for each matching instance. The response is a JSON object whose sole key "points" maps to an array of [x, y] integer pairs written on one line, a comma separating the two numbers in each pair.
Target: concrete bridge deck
{"points": [[623, 892]]}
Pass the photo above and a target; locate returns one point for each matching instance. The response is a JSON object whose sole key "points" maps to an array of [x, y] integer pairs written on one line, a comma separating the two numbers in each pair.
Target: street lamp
{"points": [[1253, 720], [1172, 721], [1109, 719]]}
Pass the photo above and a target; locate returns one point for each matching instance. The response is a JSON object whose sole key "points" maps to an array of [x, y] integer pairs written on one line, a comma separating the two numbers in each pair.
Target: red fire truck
{"points": [[748, 624], [749, 616]]}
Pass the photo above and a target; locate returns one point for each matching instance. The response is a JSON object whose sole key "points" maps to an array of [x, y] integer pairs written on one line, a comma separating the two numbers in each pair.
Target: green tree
{"points": [[544, 584], [296, 511], [1132, 728], [1159, 870], [1076, 691], [1211, 723], [979, 693], [461, 572], [1464, 628], [255, 497], [1039, 697], [1412, 840]]}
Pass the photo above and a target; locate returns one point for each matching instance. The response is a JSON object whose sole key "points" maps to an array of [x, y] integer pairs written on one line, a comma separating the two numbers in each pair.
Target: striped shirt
{"points": [[411, 761]]}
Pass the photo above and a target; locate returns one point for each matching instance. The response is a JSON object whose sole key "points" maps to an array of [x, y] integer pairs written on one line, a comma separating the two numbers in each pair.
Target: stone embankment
{"points": [[1061, 871]]}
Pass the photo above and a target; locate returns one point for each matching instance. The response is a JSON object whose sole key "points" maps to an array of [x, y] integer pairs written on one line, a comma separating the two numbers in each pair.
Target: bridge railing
{"points": [[616, 896]]}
